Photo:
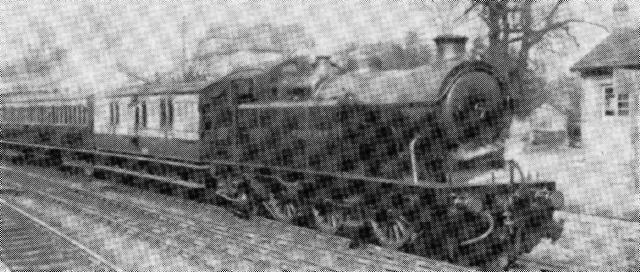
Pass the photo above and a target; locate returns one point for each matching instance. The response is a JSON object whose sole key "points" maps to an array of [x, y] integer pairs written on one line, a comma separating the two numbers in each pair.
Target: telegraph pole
{"points": [[183, 31]]}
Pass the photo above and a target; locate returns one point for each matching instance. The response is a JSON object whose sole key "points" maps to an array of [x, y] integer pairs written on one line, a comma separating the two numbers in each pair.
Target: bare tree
{"points": [[515, 29], [445, 15]]}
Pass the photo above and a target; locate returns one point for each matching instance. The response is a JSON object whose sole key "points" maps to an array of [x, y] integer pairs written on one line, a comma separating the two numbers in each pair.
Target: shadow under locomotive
{"points": [[410, 160]]}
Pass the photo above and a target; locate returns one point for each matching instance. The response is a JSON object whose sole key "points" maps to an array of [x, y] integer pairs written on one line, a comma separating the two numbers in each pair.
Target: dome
{"points": [[620, 6]]}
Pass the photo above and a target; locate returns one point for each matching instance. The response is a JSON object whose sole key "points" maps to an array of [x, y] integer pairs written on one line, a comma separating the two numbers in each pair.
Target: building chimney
{"points": [[621, 18], [450, 47]]}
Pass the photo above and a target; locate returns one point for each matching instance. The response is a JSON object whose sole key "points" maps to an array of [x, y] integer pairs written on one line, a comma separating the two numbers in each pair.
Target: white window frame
{"points": [[614, 106]]}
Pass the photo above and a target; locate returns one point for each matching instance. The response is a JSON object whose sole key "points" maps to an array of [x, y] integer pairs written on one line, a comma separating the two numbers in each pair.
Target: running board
{"points": [[8, 153], [110, 154], [183, 183]]}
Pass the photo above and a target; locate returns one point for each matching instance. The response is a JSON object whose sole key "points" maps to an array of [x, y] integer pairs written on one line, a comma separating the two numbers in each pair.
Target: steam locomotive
{"points": [[405, 159]]}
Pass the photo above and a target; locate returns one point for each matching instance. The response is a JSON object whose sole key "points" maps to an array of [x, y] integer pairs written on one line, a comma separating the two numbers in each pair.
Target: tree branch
{"points": [[554, 10], [537, 35], [573, 37]]}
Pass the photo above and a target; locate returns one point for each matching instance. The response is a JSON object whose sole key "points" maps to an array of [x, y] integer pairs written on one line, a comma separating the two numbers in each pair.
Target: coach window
{"points": [[61, 111], [66, 115], [166, 113], [70, 110], [40, 115], [82, 114], [170, 112], [117, 112], [59, 115], [111, 113], [114, 113], [163, 112], [76, 118], [26, 115], [81, 110], [53, 118], [143, 114], [70, 113]]}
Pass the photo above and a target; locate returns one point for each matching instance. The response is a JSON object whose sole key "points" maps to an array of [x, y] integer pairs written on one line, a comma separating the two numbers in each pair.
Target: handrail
{"points": [[514, 165], [412, 149]]}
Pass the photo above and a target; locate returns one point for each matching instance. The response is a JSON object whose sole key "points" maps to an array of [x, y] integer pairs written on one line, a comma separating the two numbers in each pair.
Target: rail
{"points": [[61, 235], [233, 229]]}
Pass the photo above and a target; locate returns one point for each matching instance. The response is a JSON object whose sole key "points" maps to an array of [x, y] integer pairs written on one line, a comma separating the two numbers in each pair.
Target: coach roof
{"points": [[177, 87]]}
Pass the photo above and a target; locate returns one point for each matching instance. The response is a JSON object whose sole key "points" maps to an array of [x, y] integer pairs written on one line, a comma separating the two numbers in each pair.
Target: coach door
{"points": [[218, 121]]}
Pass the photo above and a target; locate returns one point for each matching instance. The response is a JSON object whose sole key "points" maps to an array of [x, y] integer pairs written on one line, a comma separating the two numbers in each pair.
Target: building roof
{"points": [[620, 49]]}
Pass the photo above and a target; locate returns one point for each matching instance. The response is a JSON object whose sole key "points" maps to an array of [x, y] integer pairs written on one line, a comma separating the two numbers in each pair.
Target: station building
{"points": [[610, 75]]}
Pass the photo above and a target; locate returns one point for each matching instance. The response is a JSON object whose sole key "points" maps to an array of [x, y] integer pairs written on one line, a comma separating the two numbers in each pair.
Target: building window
{"points": [[609, 98], [615, 104], [623, 104]]}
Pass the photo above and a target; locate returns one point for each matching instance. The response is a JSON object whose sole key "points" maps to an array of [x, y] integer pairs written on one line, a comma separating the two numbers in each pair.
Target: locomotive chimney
{"points": [[450, 47], [323, 63], [323, 67]]}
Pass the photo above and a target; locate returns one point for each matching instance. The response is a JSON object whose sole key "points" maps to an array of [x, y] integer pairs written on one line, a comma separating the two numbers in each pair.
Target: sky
{"points": [[147, 34]]}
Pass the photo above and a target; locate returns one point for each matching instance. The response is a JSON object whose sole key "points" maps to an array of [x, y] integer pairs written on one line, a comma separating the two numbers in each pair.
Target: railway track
{"points": [[217, 232], [529, 264], [29, 244]]}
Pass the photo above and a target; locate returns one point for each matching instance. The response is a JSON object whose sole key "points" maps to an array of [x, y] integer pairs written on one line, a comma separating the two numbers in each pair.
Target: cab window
{"points": [[244, 89]]}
